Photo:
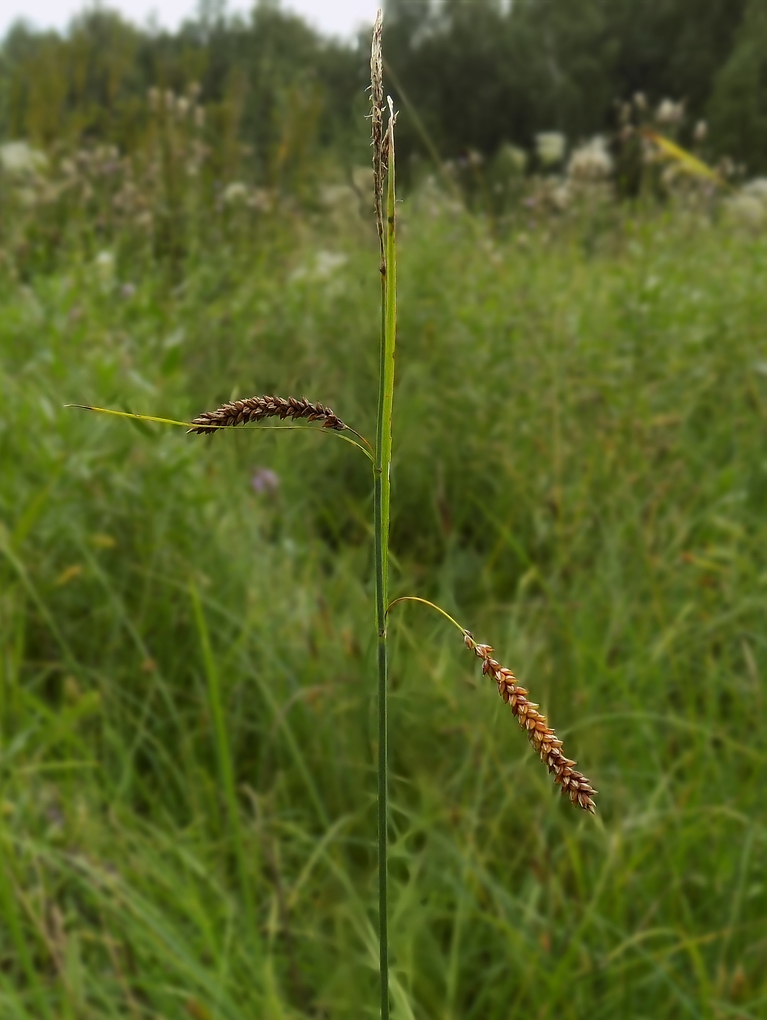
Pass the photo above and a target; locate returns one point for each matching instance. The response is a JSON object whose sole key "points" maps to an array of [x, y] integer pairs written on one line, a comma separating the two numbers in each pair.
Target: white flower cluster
{"points": [[238, 193], [669, 112], [19, 159], [322, 265], [748, 206], [590, 162], [178, 107], [550, 147]]}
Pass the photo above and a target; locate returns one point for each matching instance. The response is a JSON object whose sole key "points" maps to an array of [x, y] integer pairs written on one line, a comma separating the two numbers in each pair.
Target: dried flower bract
{"points": [[540, 734], [239, 412]]}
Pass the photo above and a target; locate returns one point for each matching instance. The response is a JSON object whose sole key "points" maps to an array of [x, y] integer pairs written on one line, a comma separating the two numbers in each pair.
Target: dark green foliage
{"points": [[739, 101], [271, 84], [483, 73], [671, 48]]}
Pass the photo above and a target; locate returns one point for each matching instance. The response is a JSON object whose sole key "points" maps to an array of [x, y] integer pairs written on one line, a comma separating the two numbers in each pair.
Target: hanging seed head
{"points": [[239, 412], [573, 783]]}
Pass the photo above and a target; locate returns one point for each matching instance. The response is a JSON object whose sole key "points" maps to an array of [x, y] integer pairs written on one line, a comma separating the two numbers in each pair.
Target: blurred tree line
{"points": [[473, 74], [484, 72], [270, 86]]}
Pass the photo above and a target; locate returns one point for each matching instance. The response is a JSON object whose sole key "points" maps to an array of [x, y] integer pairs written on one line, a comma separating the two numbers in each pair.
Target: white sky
{"points": [[333, 17]]}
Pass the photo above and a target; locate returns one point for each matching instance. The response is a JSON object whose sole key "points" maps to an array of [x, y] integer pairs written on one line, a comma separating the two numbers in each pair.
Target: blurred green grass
{"points": [[580, 477]]}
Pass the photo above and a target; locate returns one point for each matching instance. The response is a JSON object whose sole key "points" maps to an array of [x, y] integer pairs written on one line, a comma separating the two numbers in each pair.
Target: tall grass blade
{"points": [[226, 770]]}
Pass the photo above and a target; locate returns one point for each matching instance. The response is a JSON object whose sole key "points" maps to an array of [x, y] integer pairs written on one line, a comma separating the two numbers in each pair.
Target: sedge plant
{"points": [[320, 417]]}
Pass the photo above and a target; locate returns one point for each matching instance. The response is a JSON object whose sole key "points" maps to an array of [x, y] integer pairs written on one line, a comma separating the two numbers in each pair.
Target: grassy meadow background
{"points": [[187, 694]]}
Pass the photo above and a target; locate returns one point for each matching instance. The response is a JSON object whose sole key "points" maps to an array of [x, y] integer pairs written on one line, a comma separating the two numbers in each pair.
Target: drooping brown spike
{"points": [[573, 783], [239, 412]]}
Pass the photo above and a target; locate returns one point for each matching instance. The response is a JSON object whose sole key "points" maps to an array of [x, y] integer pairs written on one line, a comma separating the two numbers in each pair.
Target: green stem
{"points": [[381, 487]]}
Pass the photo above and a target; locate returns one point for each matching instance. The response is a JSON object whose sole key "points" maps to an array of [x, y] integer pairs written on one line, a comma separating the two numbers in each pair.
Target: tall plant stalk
{"points": [[383, 166], [256, 409]]}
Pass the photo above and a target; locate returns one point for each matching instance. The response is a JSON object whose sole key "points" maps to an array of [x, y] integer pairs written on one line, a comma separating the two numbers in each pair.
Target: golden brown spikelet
{"points": [[238, 412], [539, 733]]}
